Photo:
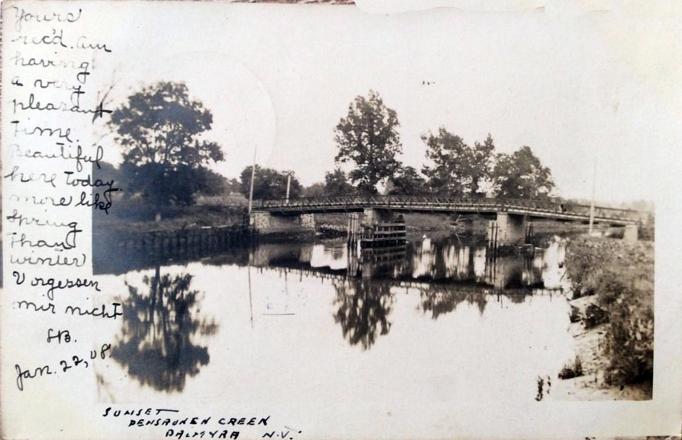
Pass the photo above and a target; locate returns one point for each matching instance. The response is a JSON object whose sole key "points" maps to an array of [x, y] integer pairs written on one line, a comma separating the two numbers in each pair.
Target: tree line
{"points": [[166, 159]]}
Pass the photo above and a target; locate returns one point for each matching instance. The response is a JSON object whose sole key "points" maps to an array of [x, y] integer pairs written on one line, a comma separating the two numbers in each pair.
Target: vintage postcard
{"points": [[330, 220]]}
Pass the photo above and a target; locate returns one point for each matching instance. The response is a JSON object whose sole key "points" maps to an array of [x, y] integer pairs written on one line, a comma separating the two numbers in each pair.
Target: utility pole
{"points": [[253, 176], [288, 173], [594, 186]]}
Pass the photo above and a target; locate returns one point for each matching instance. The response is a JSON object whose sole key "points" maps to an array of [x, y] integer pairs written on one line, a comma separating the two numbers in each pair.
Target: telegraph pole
{"points": [[288, 173], [248, 267], [594, 189], [253, 176]]}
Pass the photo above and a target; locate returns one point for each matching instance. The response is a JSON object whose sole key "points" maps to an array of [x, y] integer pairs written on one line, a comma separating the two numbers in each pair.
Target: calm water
{"points": [[436, 320]]}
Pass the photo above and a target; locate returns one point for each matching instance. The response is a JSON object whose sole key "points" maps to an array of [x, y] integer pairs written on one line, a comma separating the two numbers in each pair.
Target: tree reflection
{"points": [[159, 324], [363, 309], [441, 300]]}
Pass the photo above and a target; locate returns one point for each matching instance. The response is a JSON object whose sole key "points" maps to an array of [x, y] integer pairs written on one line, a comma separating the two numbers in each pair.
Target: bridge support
{"points": [[372, 216], [631, 234], [508, 229], [268, 223]]}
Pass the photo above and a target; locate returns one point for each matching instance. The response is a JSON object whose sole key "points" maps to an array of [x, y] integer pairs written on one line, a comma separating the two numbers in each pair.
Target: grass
{"points": [[620, 276], [139, 217]]}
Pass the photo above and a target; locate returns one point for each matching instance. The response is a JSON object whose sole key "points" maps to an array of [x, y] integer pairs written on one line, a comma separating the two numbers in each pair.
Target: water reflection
{"points": [[455, 315], [430, 262], [441, 300], [426, 260], [160, 323], [362, 310]]}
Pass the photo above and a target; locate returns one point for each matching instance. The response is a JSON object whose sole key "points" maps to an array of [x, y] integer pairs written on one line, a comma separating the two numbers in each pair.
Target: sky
{"points": [[279, 78]]}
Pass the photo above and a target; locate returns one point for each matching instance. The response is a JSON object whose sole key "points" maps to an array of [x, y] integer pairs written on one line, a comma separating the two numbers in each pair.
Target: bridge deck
{"points": [[531, 208]]}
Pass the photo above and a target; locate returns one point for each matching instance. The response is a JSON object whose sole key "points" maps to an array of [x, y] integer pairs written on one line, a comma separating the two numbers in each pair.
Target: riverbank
{"points": [[138, 218], [611, 321]]}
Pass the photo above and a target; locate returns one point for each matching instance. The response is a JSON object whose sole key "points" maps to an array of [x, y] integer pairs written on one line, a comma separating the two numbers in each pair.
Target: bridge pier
{"points": [[372, 216], [508, 229], [265, 223], [631, 233]]}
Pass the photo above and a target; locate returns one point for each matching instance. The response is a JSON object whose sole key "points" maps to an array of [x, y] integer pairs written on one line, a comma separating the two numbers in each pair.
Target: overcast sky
{"points": [[279, 77]]}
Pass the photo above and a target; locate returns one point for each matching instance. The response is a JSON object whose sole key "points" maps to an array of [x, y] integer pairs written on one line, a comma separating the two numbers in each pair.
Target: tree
{"points": [[215, 183], [160, 130], [448, 154], [521, 175], [269, 184], [233, 185], [368, 137], [481, 165], [407, 181], [314, 190], [336, 184], [457, 168]]}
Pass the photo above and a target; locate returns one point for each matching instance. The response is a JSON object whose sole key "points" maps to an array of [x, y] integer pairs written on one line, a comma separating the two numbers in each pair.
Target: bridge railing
{"points": [[350, 202]]}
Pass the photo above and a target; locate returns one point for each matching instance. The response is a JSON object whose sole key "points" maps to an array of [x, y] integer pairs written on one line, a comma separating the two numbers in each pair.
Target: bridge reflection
{"points": [[425, 261], [163, 338], [418, 262], [444, 273]]}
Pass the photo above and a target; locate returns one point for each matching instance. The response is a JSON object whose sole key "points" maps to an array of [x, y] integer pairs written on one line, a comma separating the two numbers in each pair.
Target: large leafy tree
{"points": [[164, 156], [448, 155], [336, 184], [368, 137], [481, 162], [521, 175], [407, 181], [269, 184], [456, 168]]}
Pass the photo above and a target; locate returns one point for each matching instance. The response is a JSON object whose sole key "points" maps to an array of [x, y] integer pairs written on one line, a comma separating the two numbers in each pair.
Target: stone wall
{"points": [[267, 223]]}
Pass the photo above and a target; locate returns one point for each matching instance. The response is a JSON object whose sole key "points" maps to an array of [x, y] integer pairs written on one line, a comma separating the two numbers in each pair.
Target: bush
{"points": [[594, 315], [630, 342], [621, 275], [570, 371], [581, 257]]}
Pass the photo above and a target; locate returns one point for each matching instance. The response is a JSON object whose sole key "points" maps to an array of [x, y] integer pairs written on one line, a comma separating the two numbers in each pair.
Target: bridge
{"points": [[510, 217]]}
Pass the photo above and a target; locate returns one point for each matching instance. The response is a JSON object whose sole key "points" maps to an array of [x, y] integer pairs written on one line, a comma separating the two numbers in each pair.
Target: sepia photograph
{"points": [[405, 211], [326, 223]]}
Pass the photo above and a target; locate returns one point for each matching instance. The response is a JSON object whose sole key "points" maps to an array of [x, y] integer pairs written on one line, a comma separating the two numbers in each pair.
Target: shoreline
{"points": [[590, 385], [607, 293]]}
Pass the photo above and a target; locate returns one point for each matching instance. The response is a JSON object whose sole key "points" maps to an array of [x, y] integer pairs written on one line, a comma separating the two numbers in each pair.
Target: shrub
{"points": [[570, 371], [581, 257], [621, 275], [629, 342], [594, 315]]}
